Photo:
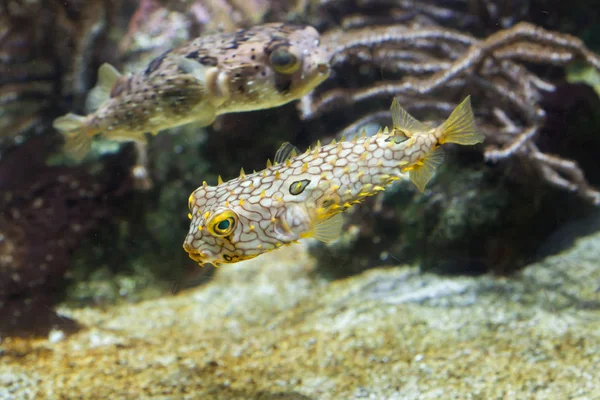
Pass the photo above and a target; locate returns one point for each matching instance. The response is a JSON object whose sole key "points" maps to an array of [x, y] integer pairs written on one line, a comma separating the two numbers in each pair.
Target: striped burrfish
{"points": [[301, 196], [261, 67]]}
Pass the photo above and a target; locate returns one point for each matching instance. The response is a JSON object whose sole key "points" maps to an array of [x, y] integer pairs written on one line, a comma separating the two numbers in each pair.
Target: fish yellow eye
{"points": [[284, 62], [222, 224]]}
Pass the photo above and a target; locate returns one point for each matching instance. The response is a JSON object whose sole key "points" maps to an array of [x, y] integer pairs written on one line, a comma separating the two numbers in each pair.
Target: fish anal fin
{"points": [[285, 152], [405, 122], [422, 171], [77, 146], [460, 126], [329, 229], [107, 78]]}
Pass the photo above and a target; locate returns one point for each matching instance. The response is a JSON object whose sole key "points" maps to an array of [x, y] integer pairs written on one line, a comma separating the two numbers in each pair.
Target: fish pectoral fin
{"points": [[422, 172], [405, 122], [107, 78], [460, 126], [193, 68], [328, 230], [285, 152]]}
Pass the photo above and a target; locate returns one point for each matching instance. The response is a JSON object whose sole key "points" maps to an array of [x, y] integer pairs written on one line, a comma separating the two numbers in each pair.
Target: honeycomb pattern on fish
{"points": [[303, 195]]}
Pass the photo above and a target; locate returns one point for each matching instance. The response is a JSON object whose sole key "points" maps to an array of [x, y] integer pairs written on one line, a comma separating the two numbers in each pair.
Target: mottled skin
{"points": [[229, 73], [337, 176], [256, 213]]}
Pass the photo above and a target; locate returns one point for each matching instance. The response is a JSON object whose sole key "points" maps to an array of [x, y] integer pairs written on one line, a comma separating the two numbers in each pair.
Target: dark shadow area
{"points": [[33, 317]]}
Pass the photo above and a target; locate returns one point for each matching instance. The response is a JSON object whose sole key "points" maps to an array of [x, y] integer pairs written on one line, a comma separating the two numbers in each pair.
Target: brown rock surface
{"points": [[270, 328]]}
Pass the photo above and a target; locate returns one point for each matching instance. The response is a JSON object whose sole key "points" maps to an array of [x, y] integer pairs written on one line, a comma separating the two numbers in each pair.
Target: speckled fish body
{"points": [[261, 67], [303, 195]]}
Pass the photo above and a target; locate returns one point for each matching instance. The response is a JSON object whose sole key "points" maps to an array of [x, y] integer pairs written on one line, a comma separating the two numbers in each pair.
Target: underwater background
{"points": [[485, 285]]}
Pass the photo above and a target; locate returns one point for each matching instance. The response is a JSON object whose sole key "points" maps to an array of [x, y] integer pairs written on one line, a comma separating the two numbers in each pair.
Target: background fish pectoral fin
{"points": [[193, 68]]}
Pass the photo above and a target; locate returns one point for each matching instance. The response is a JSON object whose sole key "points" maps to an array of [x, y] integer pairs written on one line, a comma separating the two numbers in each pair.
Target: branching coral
{"points": [[355, 14], [46, 48], [431, 67], [480, 14]]}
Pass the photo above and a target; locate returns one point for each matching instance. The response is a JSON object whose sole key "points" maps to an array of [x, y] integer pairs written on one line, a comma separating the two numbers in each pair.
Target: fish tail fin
{"points": [[107, 78], [77, 141], [460, 126], [422, 172]]}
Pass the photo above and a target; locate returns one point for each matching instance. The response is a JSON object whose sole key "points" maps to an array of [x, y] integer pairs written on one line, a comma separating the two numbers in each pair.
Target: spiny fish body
{"points": [[303, 195], [261, 67]]}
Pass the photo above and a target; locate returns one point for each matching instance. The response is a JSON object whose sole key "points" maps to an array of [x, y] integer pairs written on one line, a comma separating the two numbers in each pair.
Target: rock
{"points": [[271, 328]]}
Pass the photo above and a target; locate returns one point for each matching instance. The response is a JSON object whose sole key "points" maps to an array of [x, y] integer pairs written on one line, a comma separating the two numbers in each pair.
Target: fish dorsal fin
{"points": [[423, 171], [107, 78], [285, 152], [194, 68], [328, 230], [405, 122]]}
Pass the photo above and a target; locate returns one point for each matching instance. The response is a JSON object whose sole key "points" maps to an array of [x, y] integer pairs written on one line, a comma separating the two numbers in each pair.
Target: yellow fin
{"points": [[107, 77], [285, 152], [460, 126], [422, 172], [77, 142], [328, 230], [404, 121]]}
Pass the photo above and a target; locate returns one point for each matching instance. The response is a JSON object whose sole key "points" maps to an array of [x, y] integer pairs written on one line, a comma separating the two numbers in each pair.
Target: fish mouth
{"points": [[194, 254], [203, 258]]}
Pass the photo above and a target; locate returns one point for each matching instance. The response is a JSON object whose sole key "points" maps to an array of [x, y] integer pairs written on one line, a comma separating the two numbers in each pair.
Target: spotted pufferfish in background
{"points": [[261, 67], [302, 196]]}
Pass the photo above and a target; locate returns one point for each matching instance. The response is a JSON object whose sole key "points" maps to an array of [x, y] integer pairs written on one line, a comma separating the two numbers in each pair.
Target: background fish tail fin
{"points": [[77, 142], [460, 126]]}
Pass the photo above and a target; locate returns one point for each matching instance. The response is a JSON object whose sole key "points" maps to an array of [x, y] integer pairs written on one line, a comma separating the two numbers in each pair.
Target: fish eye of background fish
{"points": [[303, 195]]}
